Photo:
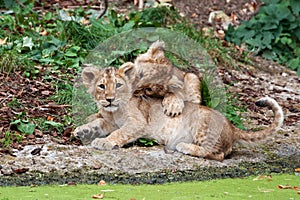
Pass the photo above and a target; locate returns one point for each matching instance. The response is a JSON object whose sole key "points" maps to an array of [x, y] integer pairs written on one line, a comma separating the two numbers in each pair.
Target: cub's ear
{"points": [[88, 75], [127, 69]]}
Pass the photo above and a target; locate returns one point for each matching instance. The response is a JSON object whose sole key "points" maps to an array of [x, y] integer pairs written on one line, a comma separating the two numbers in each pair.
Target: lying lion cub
{"points": [[198, 131]]}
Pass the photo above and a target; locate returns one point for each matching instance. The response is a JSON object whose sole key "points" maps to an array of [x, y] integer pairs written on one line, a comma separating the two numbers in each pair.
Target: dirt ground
{"points": [[264, 78]]}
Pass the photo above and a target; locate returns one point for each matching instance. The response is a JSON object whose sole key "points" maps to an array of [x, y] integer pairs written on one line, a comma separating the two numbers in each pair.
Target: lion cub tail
{"points": [[249, 136]]}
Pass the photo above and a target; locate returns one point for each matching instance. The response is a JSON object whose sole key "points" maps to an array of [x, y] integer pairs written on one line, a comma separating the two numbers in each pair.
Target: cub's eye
{"points": [[101, 86], [118, 85]]}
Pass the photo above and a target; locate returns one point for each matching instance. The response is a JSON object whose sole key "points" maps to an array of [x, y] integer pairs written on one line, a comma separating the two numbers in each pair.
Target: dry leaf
{"points": [[98, 196], [194, 15], [220, 34], [20, 170], [43, 33], [263, 177], [3, 42], [50, 118], [284, 187], [102, 182], [72, 183], [85, 21], [296, 188], [46, 92]]}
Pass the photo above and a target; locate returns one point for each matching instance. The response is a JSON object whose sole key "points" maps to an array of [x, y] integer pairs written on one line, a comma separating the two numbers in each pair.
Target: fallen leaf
{"points": [[220, 34], [46, 92], [296, 188], [284, 187], [263, 177], [50, 118], [3, 41], [72, 183], [102, 182], [98, 196], [20, 170], [85, 21], [97, 166], [44, 32], [194, 15]]}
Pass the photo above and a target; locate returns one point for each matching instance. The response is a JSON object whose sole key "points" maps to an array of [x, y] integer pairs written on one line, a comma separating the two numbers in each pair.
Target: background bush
{"points": [[274, 33]]}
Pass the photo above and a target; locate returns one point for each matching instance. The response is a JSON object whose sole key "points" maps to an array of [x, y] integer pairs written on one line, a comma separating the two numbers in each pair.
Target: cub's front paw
{"points": [[103, 144], [85, 133], [172, 105]]}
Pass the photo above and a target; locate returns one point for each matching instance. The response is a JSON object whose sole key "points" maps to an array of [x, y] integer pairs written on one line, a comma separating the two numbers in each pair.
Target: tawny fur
{"points": [[198, 131], [157, 77]]}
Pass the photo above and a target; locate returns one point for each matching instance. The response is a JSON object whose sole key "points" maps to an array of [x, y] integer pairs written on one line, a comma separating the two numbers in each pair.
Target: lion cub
{"points": [[198, 131], [155, 76]]}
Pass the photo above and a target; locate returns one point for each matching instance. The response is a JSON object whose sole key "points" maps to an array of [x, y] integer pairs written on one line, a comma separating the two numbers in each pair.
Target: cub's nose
{"points": [[110, 99]]}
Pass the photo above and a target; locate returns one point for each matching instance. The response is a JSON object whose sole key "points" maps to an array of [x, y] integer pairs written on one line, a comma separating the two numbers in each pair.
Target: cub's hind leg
{"points": [[191, 88], [198, 151]]}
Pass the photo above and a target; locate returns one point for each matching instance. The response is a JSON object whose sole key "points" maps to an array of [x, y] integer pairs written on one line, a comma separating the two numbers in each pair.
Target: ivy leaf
{"points": [[128, 26], [10, 4], [283, 12], [53, 124], [295, 5], [267, 39], [268, 54], [294, 63], [26, 128], [27, 42]]}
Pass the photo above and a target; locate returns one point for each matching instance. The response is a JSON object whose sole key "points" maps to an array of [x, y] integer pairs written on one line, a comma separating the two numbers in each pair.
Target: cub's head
{"points": [[110, 87]]}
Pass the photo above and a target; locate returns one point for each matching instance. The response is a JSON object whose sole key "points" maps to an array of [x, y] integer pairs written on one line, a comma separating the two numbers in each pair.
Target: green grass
{"points": [[245, 188]]}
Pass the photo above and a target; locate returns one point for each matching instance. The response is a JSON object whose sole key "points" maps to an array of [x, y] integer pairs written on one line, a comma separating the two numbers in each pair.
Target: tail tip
{"points": [[264, 102]]}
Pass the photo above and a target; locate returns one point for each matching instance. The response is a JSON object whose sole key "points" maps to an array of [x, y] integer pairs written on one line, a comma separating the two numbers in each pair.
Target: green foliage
{"points": [[10, 137], [63, 94], [23, 126], [14, 103], [46, 125], [146, 142], [273, 33], [60, 41], [233, 112], [7, 140]]}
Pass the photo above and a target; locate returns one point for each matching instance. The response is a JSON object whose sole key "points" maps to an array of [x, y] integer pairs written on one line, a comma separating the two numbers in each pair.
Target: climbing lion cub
{"points": [[157, 77], [198, 131]]}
